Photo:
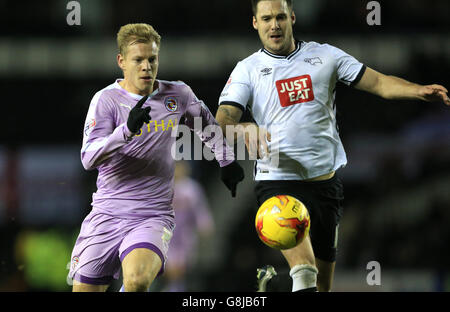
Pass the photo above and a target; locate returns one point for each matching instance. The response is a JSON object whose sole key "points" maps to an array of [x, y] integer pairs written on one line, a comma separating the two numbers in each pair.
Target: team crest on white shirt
{"points": [[313, 60], [171, 104]]}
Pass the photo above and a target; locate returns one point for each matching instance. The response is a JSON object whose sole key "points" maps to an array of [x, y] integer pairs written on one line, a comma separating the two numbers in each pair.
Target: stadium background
{"points": [[397, 180]]}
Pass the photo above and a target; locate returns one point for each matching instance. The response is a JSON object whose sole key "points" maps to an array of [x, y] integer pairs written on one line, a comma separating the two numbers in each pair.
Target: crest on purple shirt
{"points": [[171, 104]]}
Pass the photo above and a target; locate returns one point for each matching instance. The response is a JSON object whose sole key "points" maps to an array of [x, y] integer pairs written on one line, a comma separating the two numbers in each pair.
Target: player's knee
{"points": [[136, 282]]}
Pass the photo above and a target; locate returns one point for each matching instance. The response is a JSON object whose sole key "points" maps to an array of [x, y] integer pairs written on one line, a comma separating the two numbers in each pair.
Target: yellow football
{"points": [[282, 222]]}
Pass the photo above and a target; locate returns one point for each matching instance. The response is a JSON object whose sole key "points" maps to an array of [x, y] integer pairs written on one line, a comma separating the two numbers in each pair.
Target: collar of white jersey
{"points": [[298, 46]]}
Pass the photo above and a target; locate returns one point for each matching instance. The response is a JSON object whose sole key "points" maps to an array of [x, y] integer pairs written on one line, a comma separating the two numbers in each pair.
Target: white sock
{"points": [[303, 276]]}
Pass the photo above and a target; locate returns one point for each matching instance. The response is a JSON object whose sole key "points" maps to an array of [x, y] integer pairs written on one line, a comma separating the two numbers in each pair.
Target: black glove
{"points": [[138, 116], [231, 175]]}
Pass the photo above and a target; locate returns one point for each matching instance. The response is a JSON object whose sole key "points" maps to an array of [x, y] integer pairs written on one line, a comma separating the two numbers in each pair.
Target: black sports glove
{"points": [[138, 116], [231, 175]]}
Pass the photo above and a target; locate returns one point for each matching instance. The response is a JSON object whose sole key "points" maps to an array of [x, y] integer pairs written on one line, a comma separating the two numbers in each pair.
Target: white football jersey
{"points": [[294, 98]]}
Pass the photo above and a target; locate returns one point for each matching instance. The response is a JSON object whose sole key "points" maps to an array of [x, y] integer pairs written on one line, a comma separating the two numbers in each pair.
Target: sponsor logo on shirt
{"points": [[161, 125], [295, 90], [313, 60], [171, 104]]}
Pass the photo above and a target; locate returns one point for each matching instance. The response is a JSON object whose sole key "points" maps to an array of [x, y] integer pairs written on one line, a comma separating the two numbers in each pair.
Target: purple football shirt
{"points": [[135, 173]]}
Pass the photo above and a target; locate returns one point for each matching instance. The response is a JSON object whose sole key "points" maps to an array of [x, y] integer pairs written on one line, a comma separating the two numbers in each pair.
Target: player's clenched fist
{"points": [[231, 175], [138, 116]]}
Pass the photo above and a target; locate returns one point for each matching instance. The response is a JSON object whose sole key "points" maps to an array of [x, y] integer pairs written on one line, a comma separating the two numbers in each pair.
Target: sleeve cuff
{"points": [[235, 104], [359, 76]]}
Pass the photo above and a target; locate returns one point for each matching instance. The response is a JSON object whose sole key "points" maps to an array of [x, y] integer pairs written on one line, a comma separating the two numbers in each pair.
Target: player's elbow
{"points": [[221, 119], [88, 163], [87, 166]]}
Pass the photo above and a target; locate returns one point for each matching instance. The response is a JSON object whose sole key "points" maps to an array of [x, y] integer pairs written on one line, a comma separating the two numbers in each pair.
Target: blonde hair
{"points": [[136, 33]]}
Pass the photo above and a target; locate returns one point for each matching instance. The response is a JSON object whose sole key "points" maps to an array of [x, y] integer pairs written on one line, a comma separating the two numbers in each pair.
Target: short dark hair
{"points": [[255, 4]]}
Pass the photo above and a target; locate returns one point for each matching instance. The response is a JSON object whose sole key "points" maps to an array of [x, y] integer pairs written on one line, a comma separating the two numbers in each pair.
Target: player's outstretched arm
{"points": [[395, 88], [255, 137]]}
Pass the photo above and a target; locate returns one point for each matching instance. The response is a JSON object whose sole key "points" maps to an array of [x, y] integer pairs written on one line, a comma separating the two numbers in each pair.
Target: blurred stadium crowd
{"points": [[396, 183]]}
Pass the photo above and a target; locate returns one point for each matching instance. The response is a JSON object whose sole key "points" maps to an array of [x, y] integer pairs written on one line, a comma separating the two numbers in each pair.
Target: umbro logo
{"points": [[313, 60], [266, 71]]}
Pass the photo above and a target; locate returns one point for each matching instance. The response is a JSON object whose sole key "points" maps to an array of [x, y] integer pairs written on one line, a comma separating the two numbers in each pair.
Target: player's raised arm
{"points": [[138, 116], [395, 88], [101, 140]]}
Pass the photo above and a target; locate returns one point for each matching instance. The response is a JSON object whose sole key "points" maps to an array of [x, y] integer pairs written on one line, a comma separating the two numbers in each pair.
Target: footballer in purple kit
{"points": [[128, 139]]}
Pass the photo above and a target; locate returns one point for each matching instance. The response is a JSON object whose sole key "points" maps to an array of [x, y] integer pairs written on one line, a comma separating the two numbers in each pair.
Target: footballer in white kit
{"points": [[293, 97], [289, 87]]}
